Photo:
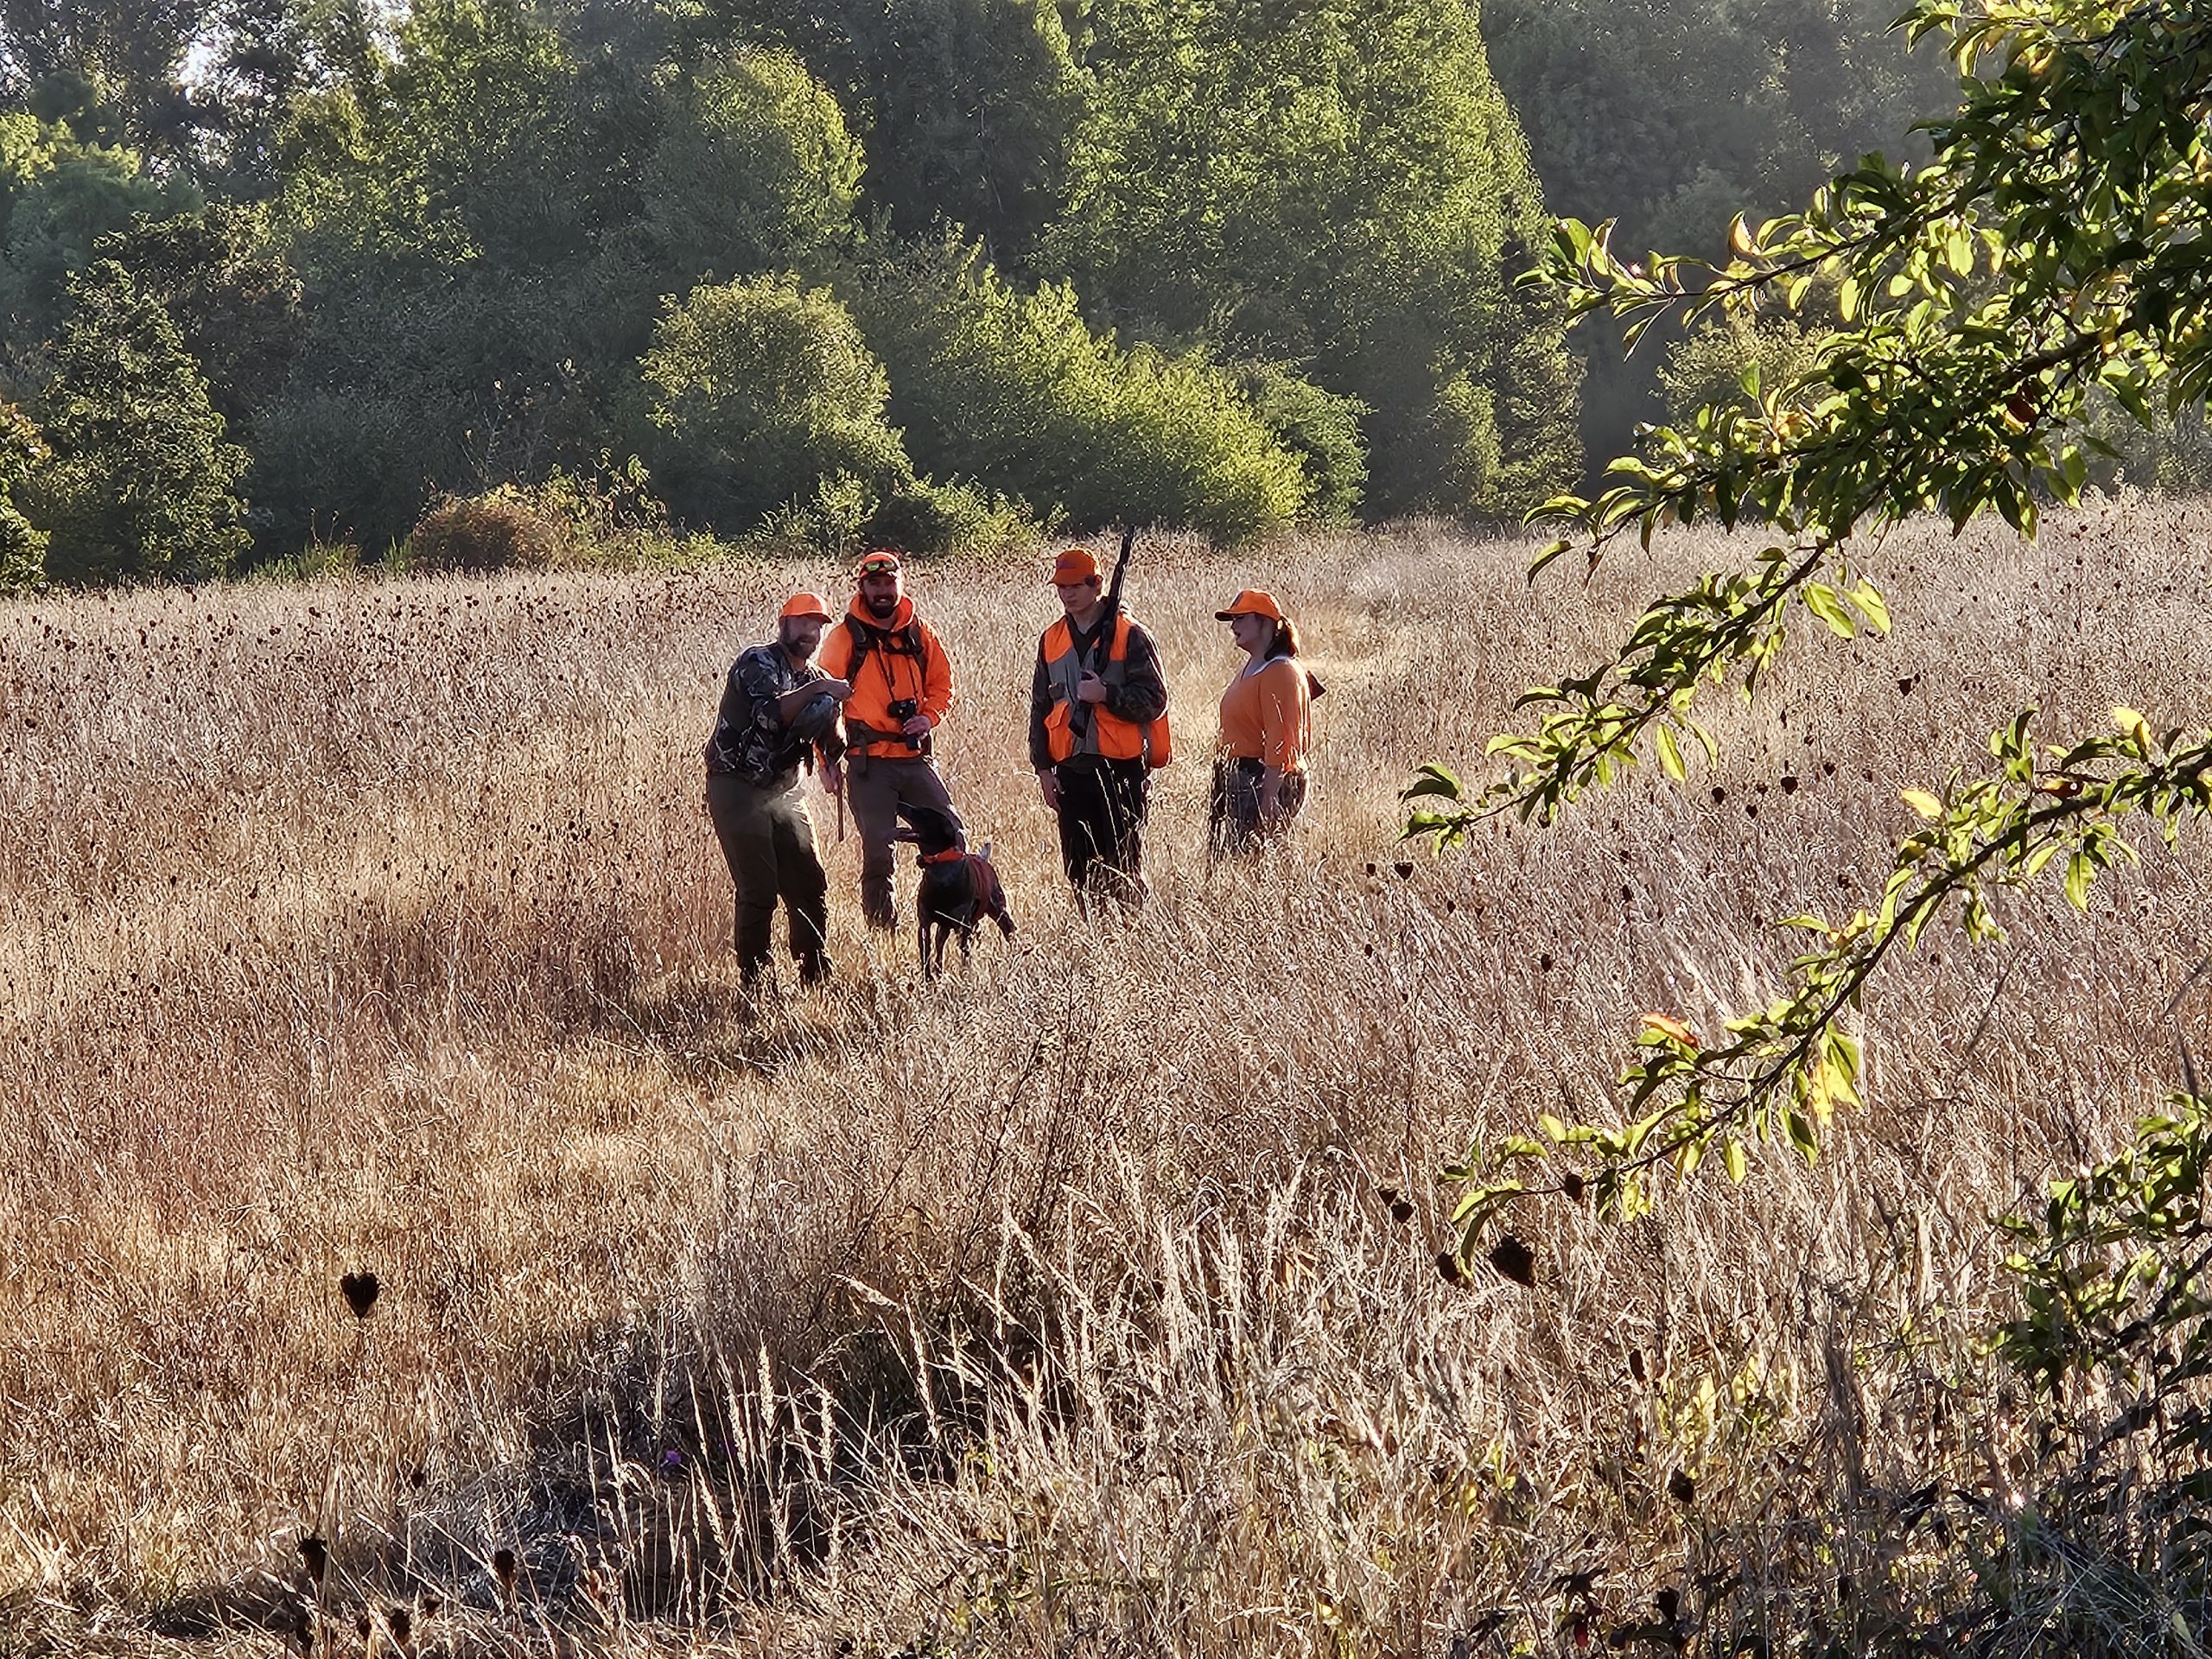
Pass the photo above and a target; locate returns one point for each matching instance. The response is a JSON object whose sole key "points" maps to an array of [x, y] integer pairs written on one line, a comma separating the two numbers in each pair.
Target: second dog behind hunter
{"points": [[902, 683]]}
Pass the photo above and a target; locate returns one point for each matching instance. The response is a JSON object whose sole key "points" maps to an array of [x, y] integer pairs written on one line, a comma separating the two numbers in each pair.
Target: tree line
{"points": [[275, 272]]}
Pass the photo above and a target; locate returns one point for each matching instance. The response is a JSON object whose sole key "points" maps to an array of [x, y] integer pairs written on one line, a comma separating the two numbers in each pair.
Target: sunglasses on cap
{"points": [[879, 564]]}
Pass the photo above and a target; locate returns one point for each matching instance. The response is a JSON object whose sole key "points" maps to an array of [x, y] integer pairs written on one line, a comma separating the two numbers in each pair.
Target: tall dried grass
{"points": [[1060, 1307]]}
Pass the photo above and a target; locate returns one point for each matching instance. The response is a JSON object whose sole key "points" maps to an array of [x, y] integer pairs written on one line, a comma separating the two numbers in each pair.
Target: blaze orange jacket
{"points": [[904, 662]]}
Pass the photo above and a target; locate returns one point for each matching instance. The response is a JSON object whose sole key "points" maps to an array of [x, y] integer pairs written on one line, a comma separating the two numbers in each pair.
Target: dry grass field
{"points": [[1058, 1308]]}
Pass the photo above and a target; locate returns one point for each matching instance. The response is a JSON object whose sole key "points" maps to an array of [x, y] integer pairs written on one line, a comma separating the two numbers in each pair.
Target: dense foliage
{"points": [[1198, 263], [141, 479]]}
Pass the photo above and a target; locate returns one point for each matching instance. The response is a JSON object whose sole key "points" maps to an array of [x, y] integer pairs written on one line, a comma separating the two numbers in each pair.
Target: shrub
{"points": [[1014, 391], [23, 544], [757, 391], [141, 480], [501, 530], [1322, 428]]}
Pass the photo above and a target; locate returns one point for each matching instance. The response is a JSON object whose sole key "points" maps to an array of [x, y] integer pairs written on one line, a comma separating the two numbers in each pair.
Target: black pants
{"points": [[1101, 825]]}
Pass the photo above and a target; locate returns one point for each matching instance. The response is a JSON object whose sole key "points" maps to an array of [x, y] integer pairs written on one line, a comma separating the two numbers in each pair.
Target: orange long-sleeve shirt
{"points": [[1263, 715], [890, 673]]}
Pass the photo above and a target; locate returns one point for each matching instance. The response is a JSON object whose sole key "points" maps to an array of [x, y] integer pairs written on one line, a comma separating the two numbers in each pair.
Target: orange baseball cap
{"points": [[1251, 602], [879, 561], [811, 605], [1073, 565]]}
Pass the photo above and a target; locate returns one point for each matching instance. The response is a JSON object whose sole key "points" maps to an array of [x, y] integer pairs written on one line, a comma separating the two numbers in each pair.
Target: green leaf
{"points": [[2081, 871], [1433, 780], [1823, 602]]}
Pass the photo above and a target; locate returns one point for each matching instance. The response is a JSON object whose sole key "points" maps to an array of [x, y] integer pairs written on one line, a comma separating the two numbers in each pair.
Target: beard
{"points": [[882, 609], [800, 642]]}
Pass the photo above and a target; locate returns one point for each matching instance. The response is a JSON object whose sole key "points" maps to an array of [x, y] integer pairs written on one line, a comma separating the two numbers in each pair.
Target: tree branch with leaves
{"points": [[2056, 250]]}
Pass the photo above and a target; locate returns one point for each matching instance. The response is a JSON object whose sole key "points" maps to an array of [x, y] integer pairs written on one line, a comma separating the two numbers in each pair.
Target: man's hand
{"points": [[840, 689], [917, 725], [1091, 687], [1048, 786]]}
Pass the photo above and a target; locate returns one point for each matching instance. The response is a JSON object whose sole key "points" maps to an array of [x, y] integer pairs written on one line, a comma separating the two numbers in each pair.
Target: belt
{"points": [[869, 736]]}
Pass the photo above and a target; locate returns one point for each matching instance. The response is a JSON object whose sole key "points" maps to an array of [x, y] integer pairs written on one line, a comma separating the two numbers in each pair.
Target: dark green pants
{"points": [[767, 841]]}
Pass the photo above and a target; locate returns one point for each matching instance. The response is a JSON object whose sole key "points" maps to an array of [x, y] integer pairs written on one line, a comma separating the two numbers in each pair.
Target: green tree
{"points": [[968, 109], [23, 544], [114, 68], [1338, 184], [1670, 117], [460, 210], [1015, 389], [141, 479], [486, 219], [236, 303], [759, 389], [755, 170], [58, 197]]}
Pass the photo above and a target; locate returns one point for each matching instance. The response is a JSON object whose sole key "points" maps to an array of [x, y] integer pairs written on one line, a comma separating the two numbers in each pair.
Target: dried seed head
{"points": [[360, 1290], [1515, 1260], [503, 1568], [315, 1556]]}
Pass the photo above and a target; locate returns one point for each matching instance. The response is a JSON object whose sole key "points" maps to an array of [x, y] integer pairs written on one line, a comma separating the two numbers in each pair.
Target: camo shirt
{"points": [[749, 740]]}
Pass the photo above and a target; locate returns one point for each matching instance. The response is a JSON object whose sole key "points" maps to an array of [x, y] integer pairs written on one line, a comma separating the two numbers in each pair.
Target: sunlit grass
{"points": [[377, 925]]}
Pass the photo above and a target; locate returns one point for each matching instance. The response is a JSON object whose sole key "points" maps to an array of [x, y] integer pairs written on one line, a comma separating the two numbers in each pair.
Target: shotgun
{"points": [[1079, 715]]}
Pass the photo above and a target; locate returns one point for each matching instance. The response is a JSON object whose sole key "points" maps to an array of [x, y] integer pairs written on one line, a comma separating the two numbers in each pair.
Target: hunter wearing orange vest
{"points": [[901, 687], [1097, 727]]}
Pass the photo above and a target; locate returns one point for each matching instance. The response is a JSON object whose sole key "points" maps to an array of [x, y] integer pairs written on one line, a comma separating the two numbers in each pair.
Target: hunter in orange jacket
{"points": [[902, 688]]}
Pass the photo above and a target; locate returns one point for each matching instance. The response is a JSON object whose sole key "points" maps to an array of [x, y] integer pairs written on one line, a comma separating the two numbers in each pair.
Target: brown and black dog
{"points": [[959, 890]]}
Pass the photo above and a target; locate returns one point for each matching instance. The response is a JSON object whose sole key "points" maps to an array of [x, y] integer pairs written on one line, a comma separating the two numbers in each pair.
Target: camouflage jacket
{"points": [[749, 742]]}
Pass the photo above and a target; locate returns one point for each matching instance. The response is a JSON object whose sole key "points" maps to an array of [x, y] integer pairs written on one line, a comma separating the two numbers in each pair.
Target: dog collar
{"points": [[951, 854]]}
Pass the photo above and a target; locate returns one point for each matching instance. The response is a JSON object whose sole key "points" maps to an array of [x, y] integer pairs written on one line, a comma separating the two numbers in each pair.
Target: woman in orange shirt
{"points": [[1259, 776]]}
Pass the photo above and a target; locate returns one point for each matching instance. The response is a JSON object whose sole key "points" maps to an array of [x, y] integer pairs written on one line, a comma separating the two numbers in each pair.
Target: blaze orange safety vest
{"points": [[1109, 734]]}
